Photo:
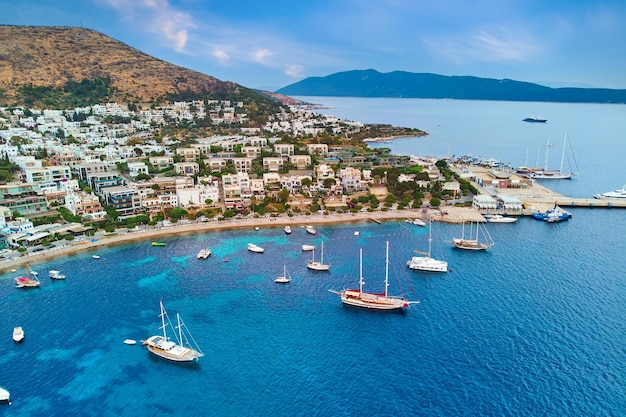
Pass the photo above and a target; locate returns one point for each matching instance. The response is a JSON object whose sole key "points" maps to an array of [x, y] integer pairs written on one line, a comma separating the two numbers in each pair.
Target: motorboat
{"points": [[310, 229], [535, 119], [499, 218], [254, 248], [158, 243], [307, 248], [54, 274], [204, 253], [617, 194], [95, 256], [5, 396], [553, 215], [288, 229], [18, 334], [416, 222], [130, 342]]}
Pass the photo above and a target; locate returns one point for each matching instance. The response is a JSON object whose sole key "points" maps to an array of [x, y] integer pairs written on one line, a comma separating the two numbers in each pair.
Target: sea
{"points": [[536, 326]]}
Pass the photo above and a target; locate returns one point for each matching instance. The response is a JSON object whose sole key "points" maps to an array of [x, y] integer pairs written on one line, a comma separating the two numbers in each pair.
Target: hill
{"points": [[39, 64], [371, 83]]}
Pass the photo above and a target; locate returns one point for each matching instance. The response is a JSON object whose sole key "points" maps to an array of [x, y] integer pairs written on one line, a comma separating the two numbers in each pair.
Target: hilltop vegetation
{"points": [[64, 67]]}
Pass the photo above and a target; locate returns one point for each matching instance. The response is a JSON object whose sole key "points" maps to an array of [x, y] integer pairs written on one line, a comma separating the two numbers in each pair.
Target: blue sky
{"points": [[273, 43]]}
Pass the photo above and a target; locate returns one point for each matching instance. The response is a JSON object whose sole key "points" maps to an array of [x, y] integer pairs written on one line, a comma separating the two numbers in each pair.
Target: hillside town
{"points": [[88, 166]]}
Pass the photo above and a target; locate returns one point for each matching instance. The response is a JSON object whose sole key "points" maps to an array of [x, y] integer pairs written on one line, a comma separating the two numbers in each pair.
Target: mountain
{"points": [[371, 83], [42, 63]]}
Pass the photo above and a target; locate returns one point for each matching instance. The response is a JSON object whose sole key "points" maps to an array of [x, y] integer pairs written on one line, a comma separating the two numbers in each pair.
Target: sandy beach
{"points": [[152, 233]]}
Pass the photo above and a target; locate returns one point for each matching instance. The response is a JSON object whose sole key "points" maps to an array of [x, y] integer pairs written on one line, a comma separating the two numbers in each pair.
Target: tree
{"points": [[329, 182]]}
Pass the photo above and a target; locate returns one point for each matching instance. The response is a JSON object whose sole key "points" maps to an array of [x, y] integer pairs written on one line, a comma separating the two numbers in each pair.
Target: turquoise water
{"points": [[535, 326]]}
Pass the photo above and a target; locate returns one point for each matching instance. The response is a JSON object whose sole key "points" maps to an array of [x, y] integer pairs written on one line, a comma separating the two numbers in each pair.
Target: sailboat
{"points": [[285, 278], [426, 263], [383, 301], [318, 265], [547, 174], [183, 349], [472, 243], [29, 280]]}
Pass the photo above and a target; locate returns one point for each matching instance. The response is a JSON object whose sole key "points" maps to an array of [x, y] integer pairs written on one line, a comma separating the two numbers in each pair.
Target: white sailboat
{"points": [[374, 301], [472, 243], [285, 278], [183, 349], [426, 263], [318, 265], [548, 174]]}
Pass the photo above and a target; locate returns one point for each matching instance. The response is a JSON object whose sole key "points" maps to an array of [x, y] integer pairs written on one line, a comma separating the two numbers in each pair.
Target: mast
{"points": [[545, 165], [361, 271], [430, 235], [180, 330], [322, 257], [563, 153], [163, 320], [387, 270]]}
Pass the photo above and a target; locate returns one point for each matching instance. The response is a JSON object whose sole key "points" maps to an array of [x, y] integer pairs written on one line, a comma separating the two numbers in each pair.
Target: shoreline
{"points": [[191, 228]]}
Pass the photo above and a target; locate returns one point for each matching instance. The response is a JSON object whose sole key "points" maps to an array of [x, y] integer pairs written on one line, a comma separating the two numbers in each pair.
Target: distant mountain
{"points": [[43, 65], [371, 83]]}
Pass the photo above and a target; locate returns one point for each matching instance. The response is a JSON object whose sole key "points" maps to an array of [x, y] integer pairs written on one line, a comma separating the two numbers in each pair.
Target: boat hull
{"points": [[373, 301], [318, 266], [427, 264], [171, 351], [470, 245]]}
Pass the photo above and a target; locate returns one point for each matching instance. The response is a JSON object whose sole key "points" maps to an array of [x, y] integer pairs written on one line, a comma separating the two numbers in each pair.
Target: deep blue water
{"points": [[536, 326]]}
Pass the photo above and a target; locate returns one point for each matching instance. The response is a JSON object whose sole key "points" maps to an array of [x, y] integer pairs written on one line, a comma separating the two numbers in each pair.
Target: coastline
{"points": [[200, 227]]}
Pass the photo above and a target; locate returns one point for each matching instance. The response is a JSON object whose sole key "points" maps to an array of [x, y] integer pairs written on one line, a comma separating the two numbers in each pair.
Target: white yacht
{"points": [[425, 262], [310, 229], [254, 248], [617, 194], [204, 253], [54, 274]]}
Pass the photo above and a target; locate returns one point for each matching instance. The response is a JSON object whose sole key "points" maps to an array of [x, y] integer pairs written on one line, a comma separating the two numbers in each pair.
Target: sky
{"points": [[269, 44]]}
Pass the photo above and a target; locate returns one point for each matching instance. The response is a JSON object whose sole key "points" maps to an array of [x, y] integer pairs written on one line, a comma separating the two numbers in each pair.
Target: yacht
{"points": [[204, 253], [18, 334], [5, 396], [288, 229], [54, 274], [310, 229], [617, 194], [254, 248]]}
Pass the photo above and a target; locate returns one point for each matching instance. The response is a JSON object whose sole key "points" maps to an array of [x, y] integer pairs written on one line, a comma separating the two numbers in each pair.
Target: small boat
{"points": [[617, 194], [426, 263], [29, 280], [182, 349], [416, 222], [18, 334], [318, 265], [95, 256], [204, 253], [130, 342], [310, 229], [307, 248], [553, 215], [256, 228], [158, 243], [288, 229], [356, 233], [284, 278], [374, 301], [54, 274], [535, 119], [5, 396], [473, 242], [254, 248], [498, 218]]}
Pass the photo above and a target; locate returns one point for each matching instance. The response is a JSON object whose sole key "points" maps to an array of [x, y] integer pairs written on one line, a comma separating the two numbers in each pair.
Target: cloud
{"points": [[493, 44], [156, 16], [221, 55], [294, 70], [260, 55]]}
